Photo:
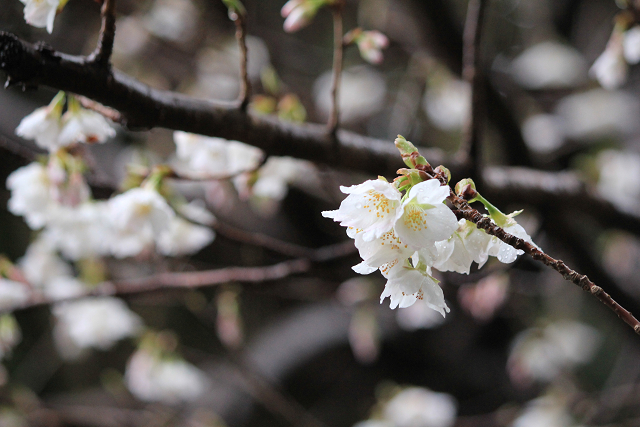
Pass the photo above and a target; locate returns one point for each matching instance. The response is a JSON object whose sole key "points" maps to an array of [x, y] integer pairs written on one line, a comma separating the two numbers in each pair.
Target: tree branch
{"points": [[142, 107], [338, 45], [102, 54], [245, 84], [578, 279], [470, 147]]}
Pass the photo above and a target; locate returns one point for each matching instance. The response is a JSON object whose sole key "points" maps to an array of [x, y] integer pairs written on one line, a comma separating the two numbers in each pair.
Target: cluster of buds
{"points": [[405, 229]]}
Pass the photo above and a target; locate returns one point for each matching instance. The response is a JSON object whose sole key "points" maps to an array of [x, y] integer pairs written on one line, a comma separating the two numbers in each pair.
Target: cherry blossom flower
{"points": [[466, 244], [30, 194], [505, 252], [12, 294], [93, 322], [611, 69], [405, 285], [418, 406], [82, 125], [206, 157], [44, 124], [136, 217], [153, 379], [370, 207], [41, 13], [423, 219], [183, 238]]}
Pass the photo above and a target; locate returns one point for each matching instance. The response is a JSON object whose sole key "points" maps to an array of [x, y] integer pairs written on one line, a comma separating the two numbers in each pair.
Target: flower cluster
{"points": [[299, 13], [623, 49], [370, 43], [53, 130], [406, 235]]}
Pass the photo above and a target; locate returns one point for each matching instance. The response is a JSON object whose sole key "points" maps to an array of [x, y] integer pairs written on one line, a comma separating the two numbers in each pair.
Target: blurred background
{"points": [[520, 347]]}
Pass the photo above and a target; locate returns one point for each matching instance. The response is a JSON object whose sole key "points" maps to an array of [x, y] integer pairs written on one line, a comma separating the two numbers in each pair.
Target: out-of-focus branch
{"points": [[142, 107], [285, 248], [338, 46], [471, 68], [102, 54], [245, 84]]}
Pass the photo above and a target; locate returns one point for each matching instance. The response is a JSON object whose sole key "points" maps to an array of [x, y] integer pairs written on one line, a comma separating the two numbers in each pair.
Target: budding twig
{"points": [[578, 279], [102, 54], [334, 117]]}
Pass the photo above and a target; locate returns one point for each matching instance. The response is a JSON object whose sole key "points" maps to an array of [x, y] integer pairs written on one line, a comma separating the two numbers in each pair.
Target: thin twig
{"points": [[245, 84], [325, 253], [90, 104], [102, 54], [578, 279], [334, 117], [471, 68]]}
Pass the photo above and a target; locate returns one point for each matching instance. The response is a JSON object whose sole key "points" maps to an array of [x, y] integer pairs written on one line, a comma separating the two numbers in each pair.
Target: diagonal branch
{"points": [[578, 279]]}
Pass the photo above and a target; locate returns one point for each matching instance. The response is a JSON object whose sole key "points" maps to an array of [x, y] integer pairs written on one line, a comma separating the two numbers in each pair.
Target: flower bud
{"points": [[466, 189], [441, 170]]}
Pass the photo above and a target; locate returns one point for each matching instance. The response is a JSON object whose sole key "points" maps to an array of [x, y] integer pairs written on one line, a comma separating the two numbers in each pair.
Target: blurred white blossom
{"points": [[137, 217], [549, 65], [12, 294], [44, 124], [541, 354], [362, 94], [30, 194], [421, 407], [547, 411], [97, 322], [447, 105], [631, 45], [619, 180], [82, 125], [172, 20], [183, 238], [153, 379], [611, 69], [205, 157]]}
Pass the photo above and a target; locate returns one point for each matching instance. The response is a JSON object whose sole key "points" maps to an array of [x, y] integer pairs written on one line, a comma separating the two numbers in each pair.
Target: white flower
{"points": [[547, 411], [80, 232], [82, 125], [388, 248], [611, 68], [405, 285], [448, 105], [541, 354], [196, 211], [12, 294], [63, 287], [417, 406], [183, 238], [136, 217], [275, 175], [205, 157], [40, 13], [423, 219], [95, 322], [467, 244], [505, 252], [170, 381], [370, 207], [30, 196], [631, 45], [44, 124], [41, 263]]}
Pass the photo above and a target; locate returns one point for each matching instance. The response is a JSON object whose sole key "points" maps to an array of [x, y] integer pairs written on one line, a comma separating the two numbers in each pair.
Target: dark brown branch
{"points": [[285, 248], [578, 279], [185, 280], [245, 84], [338, 46], [143, 107], [102, 54], [471, 68]]}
